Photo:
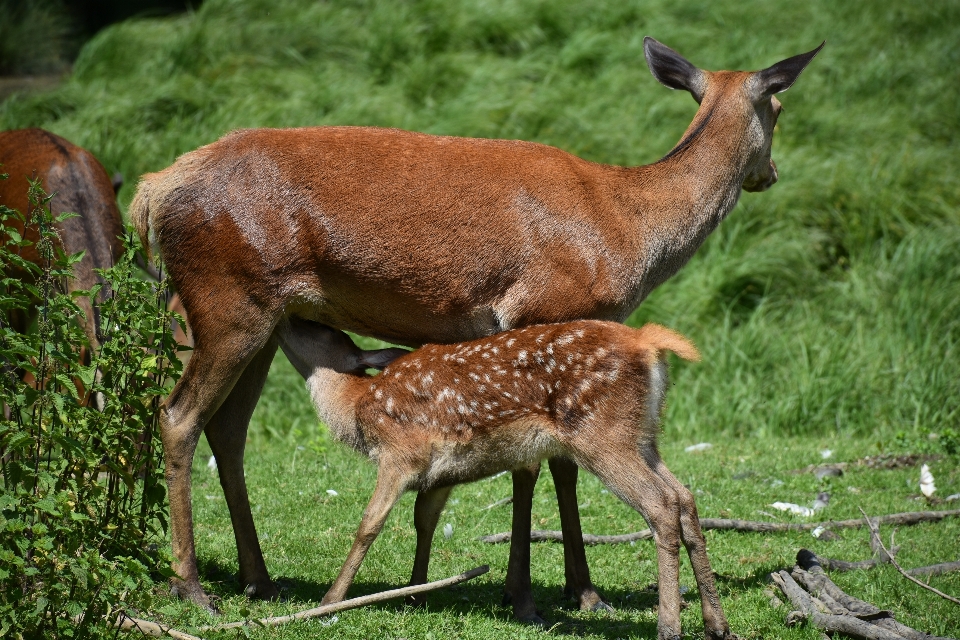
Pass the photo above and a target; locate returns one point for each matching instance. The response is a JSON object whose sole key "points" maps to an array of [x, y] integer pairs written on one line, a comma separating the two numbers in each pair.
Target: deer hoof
{"points": [[193, 592], [419, 601], [602, 607], [533, 619], [262, 591]]}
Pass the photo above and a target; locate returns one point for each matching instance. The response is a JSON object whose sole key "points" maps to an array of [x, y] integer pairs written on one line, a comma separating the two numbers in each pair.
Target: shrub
{"points": [[82, 496]]}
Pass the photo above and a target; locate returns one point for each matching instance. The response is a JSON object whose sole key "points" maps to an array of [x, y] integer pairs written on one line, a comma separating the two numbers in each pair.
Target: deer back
{"points": [[80, 184]]}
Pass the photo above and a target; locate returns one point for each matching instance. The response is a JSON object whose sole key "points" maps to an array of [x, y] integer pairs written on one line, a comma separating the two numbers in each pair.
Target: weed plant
{"points": [[82, 501]]}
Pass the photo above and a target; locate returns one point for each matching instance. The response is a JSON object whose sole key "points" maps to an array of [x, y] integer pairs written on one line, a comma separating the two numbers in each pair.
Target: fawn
{"points": [[591, 391]]}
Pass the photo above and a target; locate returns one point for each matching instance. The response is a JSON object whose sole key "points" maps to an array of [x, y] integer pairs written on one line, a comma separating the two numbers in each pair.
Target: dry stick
{"points": [[902, 519], [876, 534], [151, 629], [353, 603], [935, 569], [812, 609]]}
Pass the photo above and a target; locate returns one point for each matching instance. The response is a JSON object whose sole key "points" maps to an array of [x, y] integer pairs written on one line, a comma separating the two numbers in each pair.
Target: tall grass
{"points": [[828, 304]]}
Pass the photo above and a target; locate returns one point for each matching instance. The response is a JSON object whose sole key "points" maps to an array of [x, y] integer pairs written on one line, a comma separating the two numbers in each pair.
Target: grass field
{"points": [[827, 309]]}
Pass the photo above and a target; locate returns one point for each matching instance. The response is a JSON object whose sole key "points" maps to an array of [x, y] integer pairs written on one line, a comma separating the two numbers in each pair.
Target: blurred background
{"points": [[826, 306]]}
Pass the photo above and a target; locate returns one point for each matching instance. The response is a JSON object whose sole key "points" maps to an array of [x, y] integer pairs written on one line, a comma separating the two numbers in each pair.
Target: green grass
{"points": [[826, 308]]}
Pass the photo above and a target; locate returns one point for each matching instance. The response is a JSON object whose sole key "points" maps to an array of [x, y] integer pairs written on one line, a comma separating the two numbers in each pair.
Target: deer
{"points": [[415, 239], [589, 391], [81, 185]]}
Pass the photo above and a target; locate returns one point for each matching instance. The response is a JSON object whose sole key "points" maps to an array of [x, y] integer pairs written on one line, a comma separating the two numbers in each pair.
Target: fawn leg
{"points": [[390, 486], [631, 478], [577, 571], [227, 434], [517, 589], [714, 622], [426, 514]]}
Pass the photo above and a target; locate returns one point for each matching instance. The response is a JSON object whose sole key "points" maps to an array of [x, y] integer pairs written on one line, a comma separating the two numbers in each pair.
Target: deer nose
{"points": [[774, 176]]}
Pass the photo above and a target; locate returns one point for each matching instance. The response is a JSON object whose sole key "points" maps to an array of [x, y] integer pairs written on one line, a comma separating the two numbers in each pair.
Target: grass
{"points": [[826, 308]]}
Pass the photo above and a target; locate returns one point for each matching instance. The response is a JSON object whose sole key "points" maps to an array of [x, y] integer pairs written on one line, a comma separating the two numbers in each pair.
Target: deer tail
{"points": [[655, 336]]}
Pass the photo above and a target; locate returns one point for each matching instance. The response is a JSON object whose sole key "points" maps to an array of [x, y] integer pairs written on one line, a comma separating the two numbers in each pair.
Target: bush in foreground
{"points": [[82, 494]]}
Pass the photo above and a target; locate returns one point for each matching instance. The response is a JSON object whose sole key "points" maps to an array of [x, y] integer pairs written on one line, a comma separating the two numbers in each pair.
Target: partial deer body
{"points": [[588, 391], [417, 238], [82, 186]]}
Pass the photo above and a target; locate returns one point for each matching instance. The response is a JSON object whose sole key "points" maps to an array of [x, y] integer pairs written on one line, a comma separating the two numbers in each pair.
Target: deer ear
{"points": [[782, 75], [673, 70], [380, 358]]}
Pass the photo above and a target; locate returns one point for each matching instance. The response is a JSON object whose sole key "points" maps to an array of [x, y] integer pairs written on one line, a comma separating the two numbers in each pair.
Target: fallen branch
{"points": [[935, 569], [152, 629], [874, 531], [353, 603], [746, 526]]}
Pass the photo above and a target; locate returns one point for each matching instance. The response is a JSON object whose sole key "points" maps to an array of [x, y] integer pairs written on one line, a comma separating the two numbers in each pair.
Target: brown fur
{"points": [[446, 414], [82, 186], [417, 238]]}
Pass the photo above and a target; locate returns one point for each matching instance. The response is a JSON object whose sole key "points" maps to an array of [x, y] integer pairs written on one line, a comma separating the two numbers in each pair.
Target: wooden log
{"points": [[830, 623]]}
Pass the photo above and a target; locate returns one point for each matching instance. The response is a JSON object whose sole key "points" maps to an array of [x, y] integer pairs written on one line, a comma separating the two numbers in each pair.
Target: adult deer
{"points": [[590, 391], [82, 186], [415, 238]]}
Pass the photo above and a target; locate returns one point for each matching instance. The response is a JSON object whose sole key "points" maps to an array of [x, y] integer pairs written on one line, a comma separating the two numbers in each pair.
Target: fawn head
{"points": [[310, 346], [751, 94]]}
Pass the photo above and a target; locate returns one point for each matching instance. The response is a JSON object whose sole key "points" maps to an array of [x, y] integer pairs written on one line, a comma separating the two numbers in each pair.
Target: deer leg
{"points": [[631, 478], [714, 622], [578, 584], [517, 589], [390, 486], [207, 381], [227, 434], [426, 514]]}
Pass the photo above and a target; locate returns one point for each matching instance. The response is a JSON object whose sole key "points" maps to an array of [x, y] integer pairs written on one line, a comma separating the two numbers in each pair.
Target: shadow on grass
{"points": [[559, 611]]}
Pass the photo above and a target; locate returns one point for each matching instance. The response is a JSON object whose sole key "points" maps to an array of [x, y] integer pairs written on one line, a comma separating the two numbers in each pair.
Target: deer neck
{"points": [[335, 398], [682, 198]]}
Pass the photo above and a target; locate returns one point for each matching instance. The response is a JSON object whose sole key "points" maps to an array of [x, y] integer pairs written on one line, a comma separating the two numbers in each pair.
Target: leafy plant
{"points": [[82, 495]]}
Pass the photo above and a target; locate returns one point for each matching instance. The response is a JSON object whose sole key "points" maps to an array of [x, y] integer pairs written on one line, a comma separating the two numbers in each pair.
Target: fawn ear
{"points": [[781, 76], [380, 358], [673, 70]]}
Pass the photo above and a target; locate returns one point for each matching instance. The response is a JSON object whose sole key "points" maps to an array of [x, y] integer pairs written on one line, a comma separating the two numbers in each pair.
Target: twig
{"points": [[807, 558], [748, 526], [876, 534], [498, 503], [353, 603], [146, 628]]}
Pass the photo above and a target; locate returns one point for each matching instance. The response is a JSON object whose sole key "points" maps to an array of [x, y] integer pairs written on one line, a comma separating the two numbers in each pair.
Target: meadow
{"points": [[827, 309]]}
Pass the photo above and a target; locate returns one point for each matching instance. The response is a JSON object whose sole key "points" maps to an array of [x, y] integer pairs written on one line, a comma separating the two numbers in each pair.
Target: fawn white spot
{"points": [[511, 341], [378, 394]]}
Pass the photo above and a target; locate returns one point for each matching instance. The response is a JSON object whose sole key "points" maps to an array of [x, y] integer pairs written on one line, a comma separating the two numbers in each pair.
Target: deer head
{"points": [[753, 96]]}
